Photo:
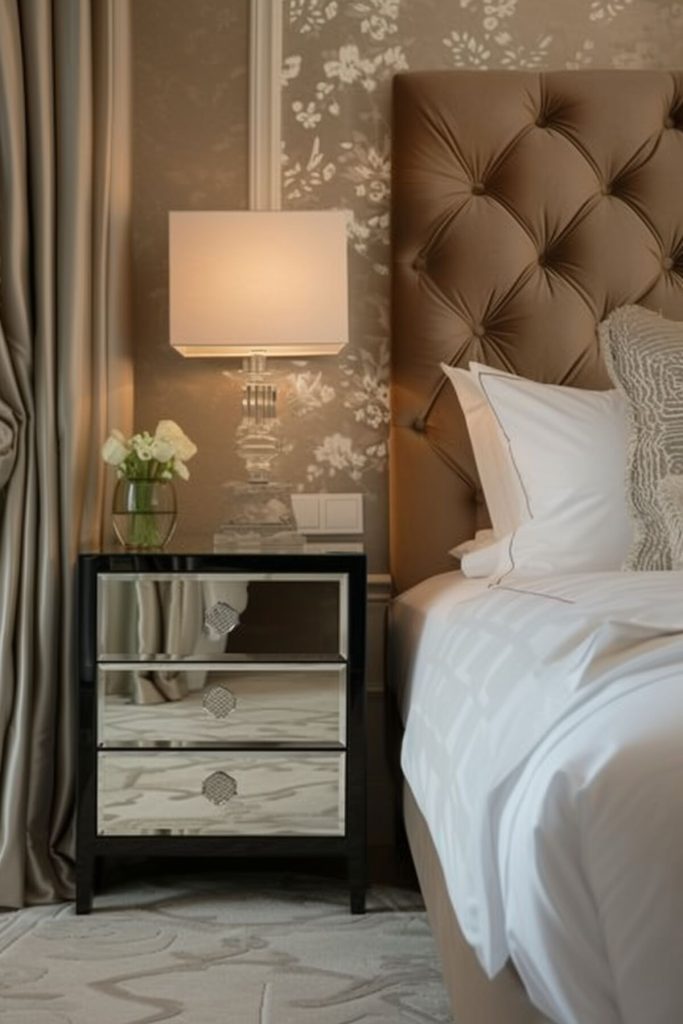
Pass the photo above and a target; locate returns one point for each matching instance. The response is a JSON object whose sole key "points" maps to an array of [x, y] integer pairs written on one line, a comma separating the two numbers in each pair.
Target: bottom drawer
{"points": [[207, 793]]}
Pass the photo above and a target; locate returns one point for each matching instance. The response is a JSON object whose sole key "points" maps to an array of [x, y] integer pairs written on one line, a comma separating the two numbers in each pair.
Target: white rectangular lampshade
{"points": [[258, 281]]}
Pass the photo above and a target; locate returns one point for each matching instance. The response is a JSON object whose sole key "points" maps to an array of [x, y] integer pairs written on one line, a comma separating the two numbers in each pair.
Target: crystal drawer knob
{"points": [[219, 701], [220, 619], [219, 787]]}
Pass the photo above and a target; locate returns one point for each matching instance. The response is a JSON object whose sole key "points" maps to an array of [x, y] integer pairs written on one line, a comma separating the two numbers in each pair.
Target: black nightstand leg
{"points": [[85, 883], [357, 883], [358, 900]]}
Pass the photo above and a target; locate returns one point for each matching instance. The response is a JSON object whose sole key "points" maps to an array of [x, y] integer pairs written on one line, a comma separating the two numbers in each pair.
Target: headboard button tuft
{"points": [[478, 188], [668, 263], [419, 425], [478, 330]]}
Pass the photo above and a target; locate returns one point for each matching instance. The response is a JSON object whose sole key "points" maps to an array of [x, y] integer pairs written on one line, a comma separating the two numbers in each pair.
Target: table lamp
{"points": [[256, 284]]}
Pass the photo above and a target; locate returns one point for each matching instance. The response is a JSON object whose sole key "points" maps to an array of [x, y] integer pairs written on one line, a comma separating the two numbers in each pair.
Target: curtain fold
{"points": [[8, 434], [65, 378]]}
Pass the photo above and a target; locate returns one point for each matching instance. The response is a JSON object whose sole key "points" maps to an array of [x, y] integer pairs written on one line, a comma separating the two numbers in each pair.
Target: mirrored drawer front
{"points": [[201, 793], [212, 616], [218, 704]]}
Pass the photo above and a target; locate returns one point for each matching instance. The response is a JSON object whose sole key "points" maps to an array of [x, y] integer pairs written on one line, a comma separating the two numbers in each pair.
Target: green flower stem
{"points": [[144, 528]]}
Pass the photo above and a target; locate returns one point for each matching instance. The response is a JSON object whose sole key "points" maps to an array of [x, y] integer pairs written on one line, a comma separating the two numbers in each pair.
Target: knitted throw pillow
{"points": [[644, 357], [671, 503]]}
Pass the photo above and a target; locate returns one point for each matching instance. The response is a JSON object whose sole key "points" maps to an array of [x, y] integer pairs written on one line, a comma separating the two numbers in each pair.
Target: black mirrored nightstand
{"points": [[222, 707]]}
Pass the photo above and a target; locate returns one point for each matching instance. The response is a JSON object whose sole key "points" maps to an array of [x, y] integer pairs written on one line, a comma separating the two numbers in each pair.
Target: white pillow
{"points": [[504, 496], [567, 447], [479, 556], [481, 539]]}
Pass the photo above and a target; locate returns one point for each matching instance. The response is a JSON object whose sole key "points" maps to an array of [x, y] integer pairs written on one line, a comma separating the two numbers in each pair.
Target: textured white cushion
{"points": [[504, 496], [567, 447], [670, 494], [644, 356]]}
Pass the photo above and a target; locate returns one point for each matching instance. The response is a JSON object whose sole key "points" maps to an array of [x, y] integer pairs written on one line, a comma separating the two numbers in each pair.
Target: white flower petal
{"points": [[114, 451], [162, 451], [170, 432]]}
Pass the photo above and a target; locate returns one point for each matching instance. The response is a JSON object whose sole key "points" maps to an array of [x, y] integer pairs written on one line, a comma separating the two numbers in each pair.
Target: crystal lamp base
{"points": [[259, 515]]}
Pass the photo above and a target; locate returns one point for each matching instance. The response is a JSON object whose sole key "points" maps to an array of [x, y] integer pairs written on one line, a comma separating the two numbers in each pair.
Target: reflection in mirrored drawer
{"points": [[211, 616], [202, 793], [146, 705]]}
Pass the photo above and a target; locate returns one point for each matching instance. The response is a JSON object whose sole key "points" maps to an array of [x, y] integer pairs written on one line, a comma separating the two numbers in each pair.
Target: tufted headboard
{"points": [[525, 207]]}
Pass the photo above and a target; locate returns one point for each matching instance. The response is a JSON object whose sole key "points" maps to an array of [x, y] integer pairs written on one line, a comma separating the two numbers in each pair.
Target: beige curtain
{"points": [[64, 379]]}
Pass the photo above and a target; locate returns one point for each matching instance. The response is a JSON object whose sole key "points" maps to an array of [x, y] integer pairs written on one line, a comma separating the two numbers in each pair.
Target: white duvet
{"points": [[544, 746]]}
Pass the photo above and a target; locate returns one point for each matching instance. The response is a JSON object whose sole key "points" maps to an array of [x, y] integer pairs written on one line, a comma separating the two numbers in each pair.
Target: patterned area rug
{"points": [[251, 950]]}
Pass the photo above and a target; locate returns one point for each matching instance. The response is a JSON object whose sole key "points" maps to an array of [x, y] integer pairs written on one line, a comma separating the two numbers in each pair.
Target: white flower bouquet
{"points": [[145, 456], [144, 503]]}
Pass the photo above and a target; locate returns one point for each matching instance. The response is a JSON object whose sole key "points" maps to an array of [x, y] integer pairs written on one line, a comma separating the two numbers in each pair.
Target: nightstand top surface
{"points": [[201, 551]]}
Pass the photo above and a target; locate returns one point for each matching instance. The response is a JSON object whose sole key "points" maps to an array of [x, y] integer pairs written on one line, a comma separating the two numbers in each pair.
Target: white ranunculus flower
{"points": [[181, 469], [114, 449], [170, 432], [142, 447], [162, 451]]}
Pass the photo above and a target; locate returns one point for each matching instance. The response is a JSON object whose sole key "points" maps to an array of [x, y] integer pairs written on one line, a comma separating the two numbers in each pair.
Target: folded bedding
{"points": [[544, 747]]}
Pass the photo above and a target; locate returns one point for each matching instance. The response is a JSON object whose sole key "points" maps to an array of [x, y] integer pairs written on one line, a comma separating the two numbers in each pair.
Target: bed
{"points": [[526, 206]]}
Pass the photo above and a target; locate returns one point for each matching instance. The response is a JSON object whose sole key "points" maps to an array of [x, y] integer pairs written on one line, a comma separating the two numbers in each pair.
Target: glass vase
{"points": [[144, 513]]}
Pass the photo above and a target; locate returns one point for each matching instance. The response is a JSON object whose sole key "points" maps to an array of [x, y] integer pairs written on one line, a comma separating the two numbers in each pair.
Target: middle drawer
{"points": [[217, 704]]}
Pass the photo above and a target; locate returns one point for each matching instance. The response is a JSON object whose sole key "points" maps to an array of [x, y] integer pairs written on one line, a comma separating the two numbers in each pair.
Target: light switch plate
{"points": [[329, 513]]}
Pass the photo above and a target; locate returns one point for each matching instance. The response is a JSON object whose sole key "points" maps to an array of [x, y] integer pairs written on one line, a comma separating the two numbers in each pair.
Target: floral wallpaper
{"points": [[338, 62], [190, 152]]}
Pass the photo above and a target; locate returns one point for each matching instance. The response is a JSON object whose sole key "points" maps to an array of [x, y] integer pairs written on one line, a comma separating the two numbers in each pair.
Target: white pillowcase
{"points": [[479, 556], [505, 498], [481, 539], [567, 449]]}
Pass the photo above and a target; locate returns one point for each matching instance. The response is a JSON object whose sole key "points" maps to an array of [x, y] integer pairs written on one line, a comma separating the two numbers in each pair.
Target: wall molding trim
{"points": [[265, 104], [379, 586]]}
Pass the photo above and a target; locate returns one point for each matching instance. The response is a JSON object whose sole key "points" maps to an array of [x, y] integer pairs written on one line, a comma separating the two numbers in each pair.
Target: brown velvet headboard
{"points": [[525, 207]]}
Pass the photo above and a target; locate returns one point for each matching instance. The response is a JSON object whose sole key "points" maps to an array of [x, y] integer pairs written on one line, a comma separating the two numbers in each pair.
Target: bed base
{"points": [[475, 998]]}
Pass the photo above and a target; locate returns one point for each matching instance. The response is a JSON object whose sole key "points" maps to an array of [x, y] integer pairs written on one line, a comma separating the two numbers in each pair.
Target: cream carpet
{"points": [[256, 950]]}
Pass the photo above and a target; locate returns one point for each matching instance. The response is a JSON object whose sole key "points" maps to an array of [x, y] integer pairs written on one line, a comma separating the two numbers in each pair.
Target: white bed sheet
{"points": [[414, 616], [544, 747]]}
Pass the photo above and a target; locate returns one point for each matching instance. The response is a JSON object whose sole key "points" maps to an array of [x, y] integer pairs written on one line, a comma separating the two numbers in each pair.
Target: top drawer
{"points": [[215, 616]]}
